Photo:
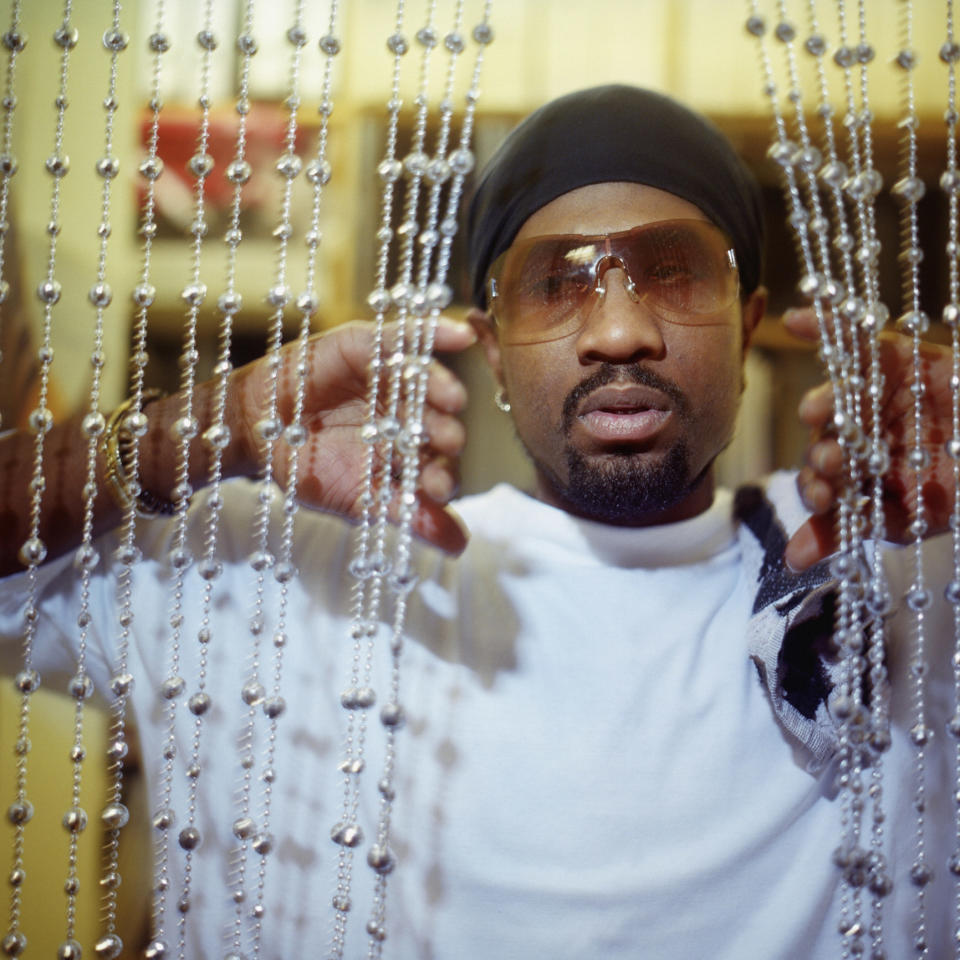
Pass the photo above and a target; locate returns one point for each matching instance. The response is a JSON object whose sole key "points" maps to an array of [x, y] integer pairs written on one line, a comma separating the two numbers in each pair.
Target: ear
{"points": [[752, 313], [486, 330]]}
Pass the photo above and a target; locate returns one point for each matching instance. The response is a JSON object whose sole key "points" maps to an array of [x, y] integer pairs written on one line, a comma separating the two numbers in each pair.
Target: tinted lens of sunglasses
{"points": [[682, 270]]}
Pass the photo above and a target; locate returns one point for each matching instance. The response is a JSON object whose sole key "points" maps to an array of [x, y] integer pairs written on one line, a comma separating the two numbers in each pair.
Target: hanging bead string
{"points": [[356, 699], [183, 431], [109, 945], [114, 815], [848, 631], [215, 438], [34, 551], [908, 190], [269, 429], [950, 184], [842, 702], [14, 41], [405, 376], [863, 186], [318, 173]]}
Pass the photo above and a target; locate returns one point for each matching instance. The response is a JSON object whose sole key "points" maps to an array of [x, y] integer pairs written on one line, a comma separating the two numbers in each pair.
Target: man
{"points": [[618, 738]]}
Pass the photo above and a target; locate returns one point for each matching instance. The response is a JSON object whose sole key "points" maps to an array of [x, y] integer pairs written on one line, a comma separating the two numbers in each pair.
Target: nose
{"points": [[619, 327]]}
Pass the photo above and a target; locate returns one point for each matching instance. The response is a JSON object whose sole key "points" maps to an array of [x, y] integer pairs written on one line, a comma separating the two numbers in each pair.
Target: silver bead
{"points": [[278, 295], [32, 552], [207, 40], [14, 41], [329, 44], [20, 812], [189, 838], [117, 750], [415, 164], [262, 843], [454, 42], [194, 294], [390, 170], [238, 172], [297, 36], [200, 165], [273, 707], [13, 944], [392, 715], [217, 437], [358, 698], [914, 321], [319, 172], [397, 44], [379, 300], [247, 44], [158, 43], [115, 816], [172, 687], [48, 291], [244, 828], [352, 767], [155, 950], [121, 684], [199, 704], [951, 314], [252, 693], [289, 165], [381, 859], [75, 820], [920, 873], [909, 189], [906, 60], [346, 835], [483, 34], [80, 687], [376, 931], [921, 734], [66, 37]]}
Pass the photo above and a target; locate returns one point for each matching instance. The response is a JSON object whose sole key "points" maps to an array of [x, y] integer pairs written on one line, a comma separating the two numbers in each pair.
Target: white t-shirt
{"points": [[590, 765]]}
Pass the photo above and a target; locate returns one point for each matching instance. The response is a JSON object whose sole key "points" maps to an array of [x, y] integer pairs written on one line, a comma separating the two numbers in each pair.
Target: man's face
{"points": [[624, 416]]}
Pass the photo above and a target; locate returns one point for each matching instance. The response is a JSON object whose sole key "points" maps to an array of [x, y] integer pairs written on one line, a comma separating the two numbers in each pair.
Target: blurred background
{"points": [[695, 50]]}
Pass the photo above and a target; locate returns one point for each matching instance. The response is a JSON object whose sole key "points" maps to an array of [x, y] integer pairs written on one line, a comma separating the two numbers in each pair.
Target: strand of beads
{"points": [[842, 702], [908, 190], [109, 945], [950, 184], [863, 184], [217, 436], [269, 429], [417, 300], [34, 551], [366, 567], [183, 431], [318, 173], [14, 41], [114, 816]]}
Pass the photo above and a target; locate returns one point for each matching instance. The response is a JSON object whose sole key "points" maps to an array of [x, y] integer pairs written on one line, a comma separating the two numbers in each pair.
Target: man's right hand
{"points": [[331, 462]]}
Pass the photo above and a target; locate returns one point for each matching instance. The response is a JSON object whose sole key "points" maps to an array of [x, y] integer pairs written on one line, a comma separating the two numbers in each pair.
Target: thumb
{"points": [[812, 542]]}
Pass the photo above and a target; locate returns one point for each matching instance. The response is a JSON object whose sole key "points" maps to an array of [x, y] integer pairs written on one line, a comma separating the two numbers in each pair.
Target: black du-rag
{"points": [[605, 134]]}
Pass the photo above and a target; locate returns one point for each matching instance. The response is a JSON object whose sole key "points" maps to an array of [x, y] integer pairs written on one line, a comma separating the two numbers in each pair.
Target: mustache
{"points": [[614, 373]]}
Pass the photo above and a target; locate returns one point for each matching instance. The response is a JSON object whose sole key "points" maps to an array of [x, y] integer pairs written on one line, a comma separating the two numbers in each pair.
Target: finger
{"points": [[802, 323], [439, 526], [444, 390], [445, 433], [816, 406], [817, 494], [452, 335], [826, 458], [811, 543], [439, 479]]}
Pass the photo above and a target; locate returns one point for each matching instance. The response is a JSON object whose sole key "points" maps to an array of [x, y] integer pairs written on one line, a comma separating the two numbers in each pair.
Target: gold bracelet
{"points": [[117, 449]]}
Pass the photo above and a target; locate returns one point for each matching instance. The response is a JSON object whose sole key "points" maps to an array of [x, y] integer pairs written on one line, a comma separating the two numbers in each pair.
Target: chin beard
{"points": [[622, 488]]}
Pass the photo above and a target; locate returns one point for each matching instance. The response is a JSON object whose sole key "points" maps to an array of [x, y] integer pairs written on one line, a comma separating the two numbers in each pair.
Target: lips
{"points": [[624, 413]]}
